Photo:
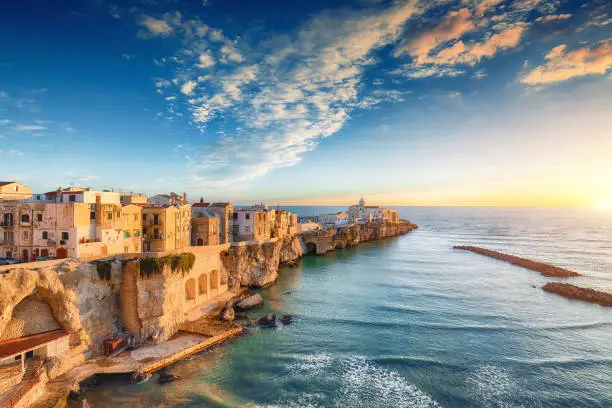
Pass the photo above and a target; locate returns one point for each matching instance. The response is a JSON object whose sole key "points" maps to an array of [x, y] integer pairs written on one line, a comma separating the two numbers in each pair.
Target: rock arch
{"points": [[44, 286], [311, 248]]}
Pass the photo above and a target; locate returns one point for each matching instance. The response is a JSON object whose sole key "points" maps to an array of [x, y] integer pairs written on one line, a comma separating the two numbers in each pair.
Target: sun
{"points": [[604, 204]]}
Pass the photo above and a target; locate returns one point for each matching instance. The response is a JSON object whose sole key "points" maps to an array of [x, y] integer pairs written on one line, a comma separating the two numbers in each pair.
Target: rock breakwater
{"points": [[540, 267], [576, 292]]}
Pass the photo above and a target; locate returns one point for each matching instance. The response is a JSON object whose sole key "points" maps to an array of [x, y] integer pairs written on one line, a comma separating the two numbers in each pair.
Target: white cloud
{"points": [[11, 152], [28, 128], [70, 129], [206, 60], [188, 87], [158, 27]]}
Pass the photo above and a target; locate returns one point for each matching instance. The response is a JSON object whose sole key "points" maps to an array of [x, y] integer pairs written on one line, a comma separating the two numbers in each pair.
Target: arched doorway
{"points": [[24, 255], [44, 252], [62, 253], [200, 241]]}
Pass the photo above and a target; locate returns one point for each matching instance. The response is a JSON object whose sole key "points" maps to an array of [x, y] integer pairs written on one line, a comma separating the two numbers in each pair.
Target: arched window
{"points": [[214, 279], [202, 284], [190, 289]]}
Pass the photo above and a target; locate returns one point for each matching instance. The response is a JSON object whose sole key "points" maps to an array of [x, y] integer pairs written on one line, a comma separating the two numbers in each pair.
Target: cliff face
{"points": [[77, 299], [323, 241], [257, 264]]}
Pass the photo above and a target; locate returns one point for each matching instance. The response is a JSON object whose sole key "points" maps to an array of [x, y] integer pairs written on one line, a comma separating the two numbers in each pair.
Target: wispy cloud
{"points": [[561, 65], [11, 152], [29, 128]]}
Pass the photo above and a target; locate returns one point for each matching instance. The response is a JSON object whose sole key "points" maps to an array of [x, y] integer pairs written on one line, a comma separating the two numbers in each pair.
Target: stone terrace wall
{"points": [[153, 308]]}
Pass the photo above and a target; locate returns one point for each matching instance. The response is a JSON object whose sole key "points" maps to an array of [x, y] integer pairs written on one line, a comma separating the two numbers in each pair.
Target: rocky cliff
{"points": [[323, 241], [256, 264]]}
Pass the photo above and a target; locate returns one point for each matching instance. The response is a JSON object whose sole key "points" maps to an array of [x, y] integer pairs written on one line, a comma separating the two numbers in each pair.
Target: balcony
{"points": [[7, 224], [8, 242]]}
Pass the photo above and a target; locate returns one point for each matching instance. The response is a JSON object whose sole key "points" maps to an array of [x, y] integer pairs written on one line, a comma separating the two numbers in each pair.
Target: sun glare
{"points": [[604, 204]]}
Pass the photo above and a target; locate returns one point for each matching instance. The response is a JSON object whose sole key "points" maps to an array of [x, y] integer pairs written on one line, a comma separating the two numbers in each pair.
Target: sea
{"points": [[411, 322]]}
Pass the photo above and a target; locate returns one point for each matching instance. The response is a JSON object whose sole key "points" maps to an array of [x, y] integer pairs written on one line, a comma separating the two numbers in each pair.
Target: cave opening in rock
{"points": [[311, 248]]}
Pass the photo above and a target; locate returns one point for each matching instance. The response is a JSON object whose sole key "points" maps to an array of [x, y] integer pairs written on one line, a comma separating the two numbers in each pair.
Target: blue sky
{"points": [[405, 102]]}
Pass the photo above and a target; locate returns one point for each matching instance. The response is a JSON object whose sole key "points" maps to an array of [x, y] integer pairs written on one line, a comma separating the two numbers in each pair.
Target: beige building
{"points": [[132, 198], [12, 190], [371, 213], [165, 228], [224, 211], [168, 199], [204, 226], [337, 219], [29, 231]]}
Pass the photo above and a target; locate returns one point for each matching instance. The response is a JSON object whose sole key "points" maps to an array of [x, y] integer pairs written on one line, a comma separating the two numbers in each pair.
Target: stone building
{"points": [[168, 199], [204, 226], [12, 190], [225, 212], [252, 224], [165, 227], [337, 219], [371, 213], [132, 198]]}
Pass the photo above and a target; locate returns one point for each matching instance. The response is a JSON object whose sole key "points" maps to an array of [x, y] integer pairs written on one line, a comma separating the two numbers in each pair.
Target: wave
{"points": [[361, 383]]}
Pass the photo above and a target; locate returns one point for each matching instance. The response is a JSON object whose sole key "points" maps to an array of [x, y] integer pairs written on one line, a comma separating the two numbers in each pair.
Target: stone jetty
{"points": [[540, 267], [576, 292]]}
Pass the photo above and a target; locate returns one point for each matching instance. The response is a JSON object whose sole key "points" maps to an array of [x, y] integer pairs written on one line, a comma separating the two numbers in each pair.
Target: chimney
{"points": [[184, 198]]}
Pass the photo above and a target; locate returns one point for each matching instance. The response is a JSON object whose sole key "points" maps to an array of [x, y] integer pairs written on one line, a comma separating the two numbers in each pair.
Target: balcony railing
{"points": [[7, 224], [8, 242]]}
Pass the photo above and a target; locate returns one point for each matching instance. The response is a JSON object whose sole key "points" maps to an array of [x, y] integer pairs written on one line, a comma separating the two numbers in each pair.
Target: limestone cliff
{"points": [[323, 241], [256, 264], [78, 301]]}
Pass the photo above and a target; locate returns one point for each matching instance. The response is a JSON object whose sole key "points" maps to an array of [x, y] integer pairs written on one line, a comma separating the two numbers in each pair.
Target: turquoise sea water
{"points": [[410, 322]]}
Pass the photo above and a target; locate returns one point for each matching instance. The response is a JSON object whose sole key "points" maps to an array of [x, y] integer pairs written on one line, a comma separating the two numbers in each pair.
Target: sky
{"points": [[464, 102]]}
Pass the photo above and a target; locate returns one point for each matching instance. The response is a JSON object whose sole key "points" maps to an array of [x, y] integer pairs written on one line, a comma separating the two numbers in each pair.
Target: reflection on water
{"points": [[409, 322]]}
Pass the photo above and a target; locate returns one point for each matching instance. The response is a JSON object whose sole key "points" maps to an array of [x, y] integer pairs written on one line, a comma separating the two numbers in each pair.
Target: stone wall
{"points": [[152, 308]]}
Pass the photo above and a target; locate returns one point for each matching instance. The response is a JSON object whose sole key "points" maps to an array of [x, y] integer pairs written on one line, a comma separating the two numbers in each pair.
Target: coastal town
{"points": [[99, 281]]}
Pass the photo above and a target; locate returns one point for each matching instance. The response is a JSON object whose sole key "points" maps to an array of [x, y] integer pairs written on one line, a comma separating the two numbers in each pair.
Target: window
{"points": [[156, 219], [235, 216], [247, 216], [92, 215], [110, 216], [45, 235], [39, 217], [65, 236], [144, 231], [26, 235], [135, 217], [136, 233], [25, 218], [126, 234], [71, 198], [144, 217]]}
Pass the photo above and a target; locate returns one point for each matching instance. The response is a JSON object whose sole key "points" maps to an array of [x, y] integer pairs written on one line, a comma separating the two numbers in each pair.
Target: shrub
{"points": [[176, 263], [150, 267], [104, 269]]}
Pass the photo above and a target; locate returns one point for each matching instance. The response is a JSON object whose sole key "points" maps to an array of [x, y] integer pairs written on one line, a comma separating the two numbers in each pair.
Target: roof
{"points": [[24, 344], [219, 204], [200, 204], [4, 183]]}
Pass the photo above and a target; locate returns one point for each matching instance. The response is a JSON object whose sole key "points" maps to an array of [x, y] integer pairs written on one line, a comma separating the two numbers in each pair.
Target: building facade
{"points": [[337, 219], [12, 190], [165, 228], [224, 211]]}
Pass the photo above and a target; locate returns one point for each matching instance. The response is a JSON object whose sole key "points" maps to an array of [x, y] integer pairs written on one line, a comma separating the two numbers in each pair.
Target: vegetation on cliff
{"points": [[542, 268], [104, 269], [176, 263]]}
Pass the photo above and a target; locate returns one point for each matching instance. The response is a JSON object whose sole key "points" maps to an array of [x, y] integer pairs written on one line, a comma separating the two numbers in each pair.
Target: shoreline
{"points": [[183, 344]]}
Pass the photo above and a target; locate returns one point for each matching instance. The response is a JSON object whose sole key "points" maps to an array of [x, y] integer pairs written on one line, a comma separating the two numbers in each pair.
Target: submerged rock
{"points": [[269, 320], [286, 320], [228, 314], [249, 303], [167, 378]]}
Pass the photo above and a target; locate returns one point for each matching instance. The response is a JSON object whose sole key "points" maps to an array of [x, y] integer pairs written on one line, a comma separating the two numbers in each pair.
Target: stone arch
{"points": [[214, 279], [200, 241], [190, 289], [203, 284], [48, 288], [31, 315], [311, 248]]}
